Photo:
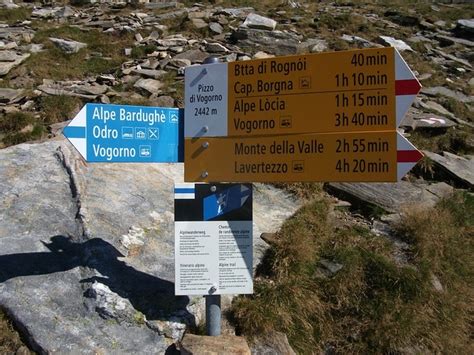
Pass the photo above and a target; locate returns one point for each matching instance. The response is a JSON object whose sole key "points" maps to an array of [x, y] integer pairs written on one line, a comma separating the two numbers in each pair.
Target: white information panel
{"points": [[205, 99], [213, 239]]}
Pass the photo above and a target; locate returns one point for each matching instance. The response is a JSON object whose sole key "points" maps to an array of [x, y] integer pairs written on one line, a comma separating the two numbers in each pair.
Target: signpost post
{"points": [[126, 134]]}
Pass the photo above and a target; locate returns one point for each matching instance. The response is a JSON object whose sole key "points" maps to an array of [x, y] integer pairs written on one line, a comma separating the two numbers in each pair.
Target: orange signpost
{"points": [[327, 92], [361, 156], [310, 117]]}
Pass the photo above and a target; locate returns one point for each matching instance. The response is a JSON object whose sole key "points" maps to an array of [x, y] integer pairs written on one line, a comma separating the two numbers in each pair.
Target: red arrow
{"points": [[407, 156], [406, 87]]}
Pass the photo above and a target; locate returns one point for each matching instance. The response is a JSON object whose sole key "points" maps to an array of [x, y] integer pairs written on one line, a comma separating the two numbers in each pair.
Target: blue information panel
{"points": [[124, 134]]}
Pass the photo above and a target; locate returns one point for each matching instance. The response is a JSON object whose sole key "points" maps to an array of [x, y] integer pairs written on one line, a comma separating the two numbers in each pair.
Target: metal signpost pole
{"points": [[213, 315], [213, 302]]}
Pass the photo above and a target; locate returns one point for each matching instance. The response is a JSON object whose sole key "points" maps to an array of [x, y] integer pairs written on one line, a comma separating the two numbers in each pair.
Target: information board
{"points": [[213, 239]]}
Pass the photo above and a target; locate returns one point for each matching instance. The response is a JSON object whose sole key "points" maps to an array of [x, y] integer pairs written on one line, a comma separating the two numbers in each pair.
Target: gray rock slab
{"points": [[214, 47], [216, 27], [415, 119], [87, 250], [152, 86], [464, 42], [464, 28], [391, 197], [460, 168], [149, 73], [90, 89], [199, 23], [68, 46], [441, 90], [274, 42], [9, 56], [259, 22], [8, 4], [362, 42], [397, 43], [6, 66], [193, 55], [8, 96], [237, 12]]}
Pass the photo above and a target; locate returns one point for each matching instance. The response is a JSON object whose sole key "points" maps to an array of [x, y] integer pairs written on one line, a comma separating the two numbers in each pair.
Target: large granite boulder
{"points": [[87, 250]]}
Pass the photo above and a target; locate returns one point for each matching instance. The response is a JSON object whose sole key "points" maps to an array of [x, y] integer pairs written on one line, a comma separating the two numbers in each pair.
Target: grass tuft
{"points": [[372, 304]]}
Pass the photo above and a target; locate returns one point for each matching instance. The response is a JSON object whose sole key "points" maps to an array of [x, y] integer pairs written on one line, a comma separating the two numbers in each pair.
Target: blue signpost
{"points": [[127, 134]]}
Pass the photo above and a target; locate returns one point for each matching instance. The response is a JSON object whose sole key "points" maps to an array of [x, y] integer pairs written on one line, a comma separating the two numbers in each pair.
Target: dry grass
{"points": [[373, 304], [10, 341], [59, 108], [104, 54]]}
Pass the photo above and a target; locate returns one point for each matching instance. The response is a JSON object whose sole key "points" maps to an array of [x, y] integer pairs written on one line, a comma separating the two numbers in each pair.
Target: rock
{"points": [[237, 12], [402, 19], [453, 40], [151, 86], [110, 305], [162, 101], [89, 89], [330, 266], [68, 46], [199, 23], [441, 90], [44, 13], [458, 168], [436, 107], [223, 344], [453, 58], [361, 42], [148, 73], [61, 219], [262, 55], [66, 12], [464, 29], [436, 283], [10, 96], [8, 4], [12, 61], [216, 48], [193, 55], [133, 241], [173, 41], [179, 63], [259, 22], [314, 45], [274, 42], [216, 27], [417, 120], [397, 43], [274, 343], [391, 197]]}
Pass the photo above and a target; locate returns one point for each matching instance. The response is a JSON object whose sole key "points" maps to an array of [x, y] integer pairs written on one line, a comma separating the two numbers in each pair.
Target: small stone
{"points": [[216, 48], [262, 55], [68, 46], [397, 43], [259, 22], [152, 86], [223, 344], [216, 27], [436, 283], [199, 23]]}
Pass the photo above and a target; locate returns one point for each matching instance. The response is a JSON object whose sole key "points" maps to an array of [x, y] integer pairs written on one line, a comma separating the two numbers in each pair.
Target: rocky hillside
{"points": [[86, 250]]}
